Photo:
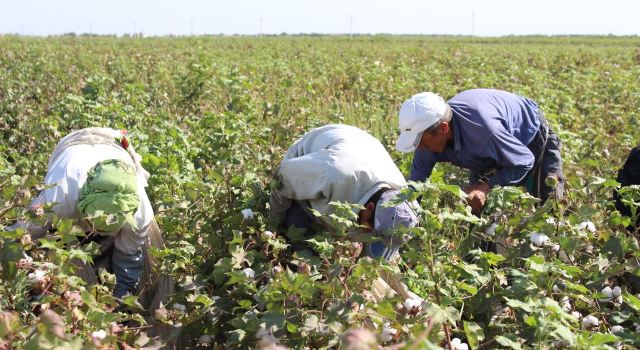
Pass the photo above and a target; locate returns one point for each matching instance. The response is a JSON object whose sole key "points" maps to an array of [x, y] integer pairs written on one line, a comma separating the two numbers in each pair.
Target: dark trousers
{"points": [[298, 222], [546, 147]]}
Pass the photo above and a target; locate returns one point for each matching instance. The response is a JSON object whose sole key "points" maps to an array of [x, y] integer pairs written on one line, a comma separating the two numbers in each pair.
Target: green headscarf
{"points": [[109, 198]]}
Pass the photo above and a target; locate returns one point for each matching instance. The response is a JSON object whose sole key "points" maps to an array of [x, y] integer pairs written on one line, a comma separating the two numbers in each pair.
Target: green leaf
{"points": [[632, 301], [474, 334], [526, 306], [324, 247], [132, 301], [509, 341], [492, 258], [10, 254], [597, 338], [201, 299]]}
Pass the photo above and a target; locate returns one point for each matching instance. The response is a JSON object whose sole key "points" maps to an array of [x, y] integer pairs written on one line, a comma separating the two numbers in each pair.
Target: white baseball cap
{"points": [[416, 115]]}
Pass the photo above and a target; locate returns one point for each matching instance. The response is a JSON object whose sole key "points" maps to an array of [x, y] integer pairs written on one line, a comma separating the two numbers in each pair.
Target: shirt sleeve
{"points": [[423, 163], [514, 160]]}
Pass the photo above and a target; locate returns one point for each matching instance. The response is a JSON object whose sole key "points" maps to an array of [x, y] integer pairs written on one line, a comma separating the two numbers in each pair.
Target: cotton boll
{"points": [[457, 344], [589, 322], [268, 234], [556, 289], [616, 291], [205, 339], [36, 276], [576, 314], [99, 335], [565, 303], [179, 307], [588, 226], [249, 273], [538, 239], [247, 213], [412, 305], [555, 248], [617, 329], [607, 291], [388, 333], [491, 230]]}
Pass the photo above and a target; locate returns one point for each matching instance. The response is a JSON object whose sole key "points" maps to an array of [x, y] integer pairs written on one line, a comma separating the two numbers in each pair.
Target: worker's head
{"points": [[383, 217], [109, 197], [425, 123]]}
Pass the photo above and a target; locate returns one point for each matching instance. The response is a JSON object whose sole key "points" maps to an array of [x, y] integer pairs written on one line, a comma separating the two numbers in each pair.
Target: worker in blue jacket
{"points": [[502, 138]]}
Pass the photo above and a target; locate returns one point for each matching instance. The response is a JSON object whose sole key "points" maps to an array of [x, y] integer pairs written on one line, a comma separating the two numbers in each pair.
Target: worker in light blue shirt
{"points": [[500, 137]]}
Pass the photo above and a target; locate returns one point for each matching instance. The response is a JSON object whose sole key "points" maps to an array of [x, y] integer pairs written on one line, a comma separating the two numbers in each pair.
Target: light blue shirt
{"points": [[491, 130]]}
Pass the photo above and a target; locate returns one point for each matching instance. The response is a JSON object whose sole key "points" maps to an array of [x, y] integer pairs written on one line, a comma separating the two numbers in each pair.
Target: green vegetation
{"points": [[212, 116]]}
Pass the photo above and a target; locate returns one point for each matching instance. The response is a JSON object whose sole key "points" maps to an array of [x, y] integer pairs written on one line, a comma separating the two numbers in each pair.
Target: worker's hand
{"points": [[477, 196]]}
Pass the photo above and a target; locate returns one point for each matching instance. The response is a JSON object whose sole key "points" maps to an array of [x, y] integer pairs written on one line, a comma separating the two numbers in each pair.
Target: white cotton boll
{"points": [[36, 276], [249, 273], [268, 235], [565, 303], [608, 292], [555, 248], [538, 239], [617, 329], [587, 225], [412, 304], [550, 221], [99, 335], [179, 307], [491, 230], [247, 213], [204, 339], [616, 291], [576, 314], [556, 289], [388, 333], [457, 344], [618, 299], [590, 321]]}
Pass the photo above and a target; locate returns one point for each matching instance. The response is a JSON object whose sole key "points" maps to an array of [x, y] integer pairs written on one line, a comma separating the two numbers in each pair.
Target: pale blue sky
{"points": [[162, 17]]}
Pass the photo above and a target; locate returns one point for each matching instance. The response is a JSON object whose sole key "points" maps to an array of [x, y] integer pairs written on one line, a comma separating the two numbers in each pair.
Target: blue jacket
{"points": [[491, 130]]}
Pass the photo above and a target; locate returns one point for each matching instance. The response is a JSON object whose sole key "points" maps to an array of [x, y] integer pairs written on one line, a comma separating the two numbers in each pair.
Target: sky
{"points": [[251, 17]]}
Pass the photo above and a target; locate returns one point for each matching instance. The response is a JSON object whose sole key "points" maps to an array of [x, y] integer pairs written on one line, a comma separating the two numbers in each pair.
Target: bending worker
{"points": [[94, 177], [501, 137], [629, 175], [341, 163]]}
